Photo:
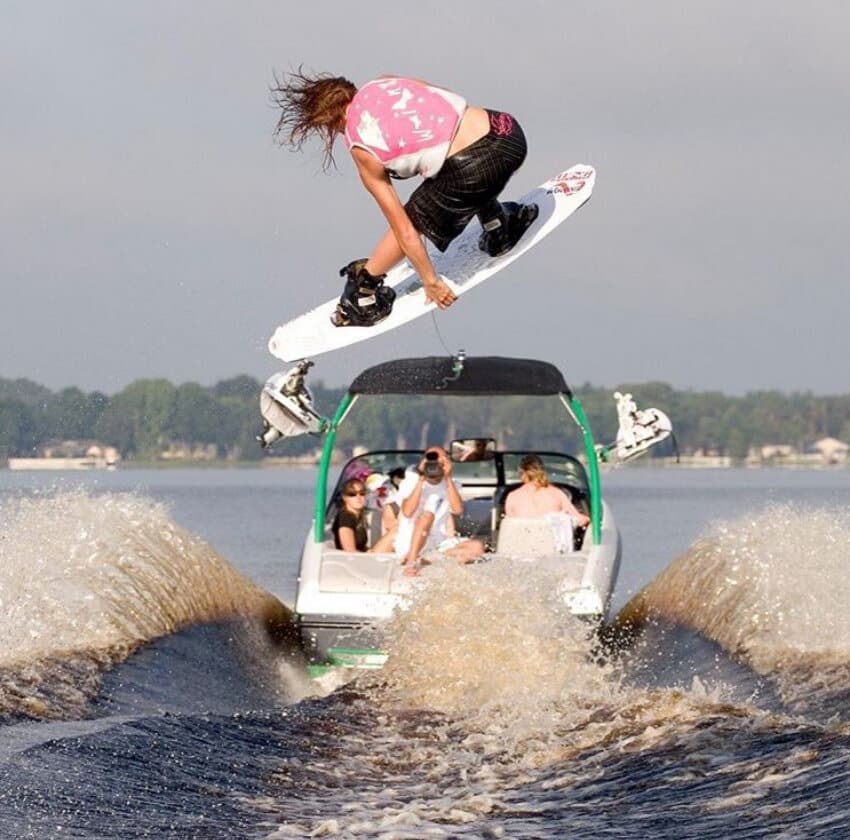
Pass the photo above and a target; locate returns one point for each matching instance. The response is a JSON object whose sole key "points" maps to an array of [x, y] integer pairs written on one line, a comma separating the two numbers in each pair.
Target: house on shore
{"points": [[832, 451], [70, 455]]}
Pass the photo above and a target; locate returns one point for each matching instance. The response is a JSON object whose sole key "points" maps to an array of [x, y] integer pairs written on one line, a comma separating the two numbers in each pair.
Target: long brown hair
{"points": [[533, 467], [346, 488], [311, 104]]}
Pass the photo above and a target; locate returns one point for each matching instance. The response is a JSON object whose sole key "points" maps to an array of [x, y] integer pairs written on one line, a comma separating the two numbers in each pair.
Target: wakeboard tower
{"points": [[286, 406], [638, 431]]}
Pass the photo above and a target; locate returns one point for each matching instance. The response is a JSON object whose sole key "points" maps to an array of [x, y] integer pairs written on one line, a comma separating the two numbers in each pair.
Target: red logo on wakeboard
{"points": [[568, 182]]}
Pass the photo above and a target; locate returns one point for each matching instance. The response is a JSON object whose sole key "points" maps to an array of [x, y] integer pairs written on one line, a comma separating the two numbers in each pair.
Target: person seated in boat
{"points": [[391, 507], [537, 497], [349, 525], [429, 500]]}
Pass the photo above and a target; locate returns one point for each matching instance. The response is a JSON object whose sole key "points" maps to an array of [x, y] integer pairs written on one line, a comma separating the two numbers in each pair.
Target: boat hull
{"points": [[344, 596]]}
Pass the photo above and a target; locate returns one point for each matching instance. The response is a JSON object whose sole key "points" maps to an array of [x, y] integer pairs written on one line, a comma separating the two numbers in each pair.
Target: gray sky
{"points": [[149, 227]]}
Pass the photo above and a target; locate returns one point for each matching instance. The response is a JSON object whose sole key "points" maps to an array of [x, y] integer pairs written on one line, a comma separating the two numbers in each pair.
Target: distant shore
{"points": [[88, 465], [303, 463]]}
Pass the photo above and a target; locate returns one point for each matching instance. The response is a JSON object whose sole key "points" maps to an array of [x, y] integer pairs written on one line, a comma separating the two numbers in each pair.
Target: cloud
{"points": [[147, 210]]}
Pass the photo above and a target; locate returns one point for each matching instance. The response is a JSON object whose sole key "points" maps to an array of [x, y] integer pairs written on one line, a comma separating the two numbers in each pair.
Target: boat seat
{"points": [[575, 495], [355, 571], [519, 537]]}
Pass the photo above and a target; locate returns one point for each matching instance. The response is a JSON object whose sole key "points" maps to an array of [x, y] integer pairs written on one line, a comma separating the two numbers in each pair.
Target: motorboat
{"points": [[342, 596]]}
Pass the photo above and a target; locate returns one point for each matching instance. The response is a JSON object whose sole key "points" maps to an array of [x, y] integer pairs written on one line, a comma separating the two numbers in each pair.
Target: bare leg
{"points": [[384, 255], [467, 552], [388, 253], [384, 543], [421, 529]]}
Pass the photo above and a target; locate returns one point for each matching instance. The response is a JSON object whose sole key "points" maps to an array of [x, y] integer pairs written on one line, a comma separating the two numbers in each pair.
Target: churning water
{"points": [[147, 687]]}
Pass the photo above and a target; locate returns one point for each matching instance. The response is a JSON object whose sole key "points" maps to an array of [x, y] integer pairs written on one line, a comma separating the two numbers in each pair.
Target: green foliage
{"points": [[242, 387], [151, 414], [24, 391], [17, 428], [71, 414], [140, 416], [193, 415], [385, 422]]}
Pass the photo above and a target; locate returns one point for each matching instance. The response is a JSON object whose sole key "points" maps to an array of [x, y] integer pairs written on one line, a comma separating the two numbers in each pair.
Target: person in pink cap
{"points": [[398, 127]]}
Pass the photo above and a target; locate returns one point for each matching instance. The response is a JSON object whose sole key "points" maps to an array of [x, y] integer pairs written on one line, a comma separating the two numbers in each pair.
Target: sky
{"points": [[150, 227]]}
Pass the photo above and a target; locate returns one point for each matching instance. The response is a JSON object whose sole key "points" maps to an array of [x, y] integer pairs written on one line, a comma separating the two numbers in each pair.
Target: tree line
{"points": [[151, 414]]}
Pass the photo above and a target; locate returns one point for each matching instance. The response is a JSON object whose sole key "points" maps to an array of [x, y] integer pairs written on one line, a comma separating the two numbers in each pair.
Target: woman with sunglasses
{"points": [[349, 525]]}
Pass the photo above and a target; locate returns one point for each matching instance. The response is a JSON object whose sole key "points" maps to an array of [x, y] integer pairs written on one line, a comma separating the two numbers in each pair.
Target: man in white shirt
{"points": [[429, 500]]}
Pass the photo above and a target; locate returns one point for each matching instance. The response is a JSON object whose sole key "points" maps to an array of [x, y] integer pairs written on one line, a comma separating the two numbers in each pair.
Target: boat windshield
{"points": [[383, 463], [499, 471], [391, 430], [560, 468]]}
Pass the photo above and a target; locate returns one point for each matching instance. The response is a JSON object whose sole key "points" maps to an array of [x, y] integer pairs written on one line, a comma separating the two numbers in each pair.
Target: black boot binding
{"points": [[504, 225], [365, 300]]}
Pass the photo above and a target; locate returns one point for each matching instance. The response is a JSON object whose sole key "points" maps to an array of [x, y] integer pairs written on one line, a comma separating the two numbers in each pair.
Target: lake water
{"points": [[131, 705]]}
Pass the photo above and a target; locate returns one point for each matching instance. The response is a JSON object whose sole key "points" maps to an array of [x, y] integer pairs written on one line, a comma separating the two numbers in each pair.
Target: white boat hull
{"points": [[343, 595]]}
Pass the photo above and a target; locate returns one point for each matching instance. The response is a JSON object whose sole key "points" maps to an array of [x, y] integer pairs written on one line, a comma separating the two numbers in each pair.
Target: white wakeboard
{"points": [[463, 266]]}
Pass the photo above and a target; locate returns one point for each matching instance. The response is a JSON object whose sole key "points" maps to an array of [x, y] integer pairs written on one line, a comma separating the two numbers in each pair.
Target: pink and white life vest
{"points": [[407, 125]]}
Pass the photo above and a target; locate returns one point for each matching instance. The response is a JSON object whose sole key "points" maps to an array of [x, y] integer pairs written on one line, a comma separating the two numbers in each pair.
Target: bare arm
{"points": [[452, 493], [568, 507], [454, 497], [451, 527], [407, 239], [411, 502]]}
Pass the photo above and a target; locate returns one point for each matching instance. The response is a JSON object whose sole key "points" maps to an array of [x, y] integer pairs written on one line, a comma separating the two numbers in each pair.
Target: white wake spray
{"points": [[86, 579]]}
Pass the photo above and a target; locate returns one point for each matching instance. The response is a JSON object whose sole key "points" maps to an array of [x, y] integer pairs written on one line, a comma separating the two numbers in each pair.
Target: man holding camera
{"points": [[429, 500]]}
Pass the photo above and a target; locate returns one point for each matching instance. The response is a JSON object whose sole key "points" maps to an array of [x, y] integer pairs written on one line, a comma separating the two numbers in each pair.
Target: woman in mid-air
{"points": [[397, 127]]}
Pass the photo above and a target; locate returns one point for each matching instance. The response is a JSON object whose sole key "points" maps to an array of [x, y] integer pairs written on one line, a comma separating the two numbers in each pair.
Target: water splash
{"points": [[492, 688], [494, 695], [771, 588], [85, 580], [485, 639]]}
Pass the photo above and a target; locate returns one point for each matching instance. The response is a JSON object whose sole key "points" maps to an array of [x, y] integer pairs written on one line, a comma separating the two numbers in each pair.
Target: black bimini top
{"points": [[479, 376]]}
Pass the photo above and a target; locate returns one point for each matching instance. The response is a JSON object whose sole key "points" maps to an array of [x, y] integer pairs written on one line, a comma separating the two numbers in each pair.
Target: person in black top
{"points": [[349, 525]]}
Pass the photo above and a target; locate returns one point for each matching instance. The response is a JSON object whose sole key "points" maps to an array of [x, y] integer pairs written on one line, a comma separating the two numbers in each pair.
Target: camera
{"points": [[432, 468]]}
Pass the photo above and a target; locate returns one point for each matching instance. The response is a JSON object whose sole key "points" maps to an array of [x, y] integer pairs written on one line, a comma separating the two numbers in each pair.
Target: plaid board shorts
{"points": [[442, 206]]}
